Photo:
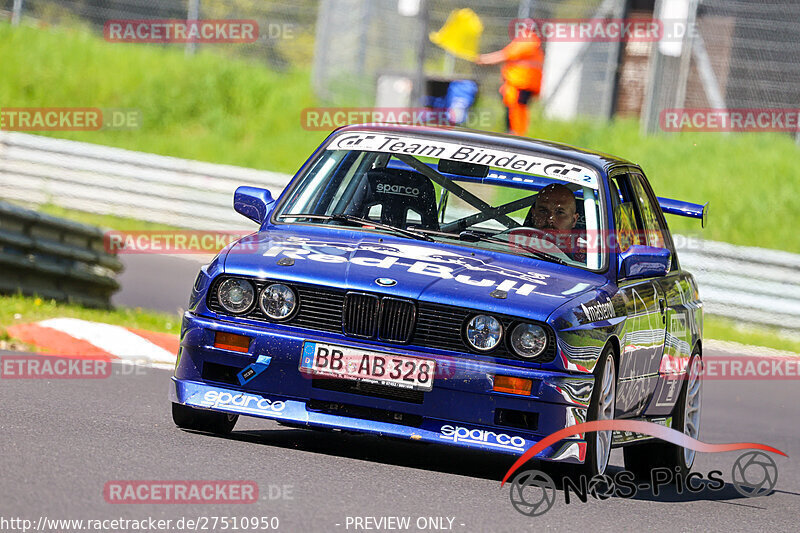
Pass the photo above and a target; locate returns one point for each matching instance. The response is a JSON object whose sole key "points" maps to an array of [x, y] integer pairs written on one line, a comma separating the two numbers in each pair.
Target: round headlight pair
{"points": [[485, 332], [236, 296]]}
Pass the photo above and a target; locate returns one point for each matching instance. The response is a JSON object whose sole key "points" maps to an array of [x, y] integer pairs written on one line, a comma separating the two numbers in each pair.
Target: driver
{"points": [[554, 209], [556, 213]]}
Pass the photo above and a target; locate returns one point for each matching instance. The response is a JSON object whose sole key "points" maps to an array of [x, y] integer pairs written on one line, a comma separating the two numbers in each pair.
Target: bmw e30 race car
{"points": [[454, 287]]}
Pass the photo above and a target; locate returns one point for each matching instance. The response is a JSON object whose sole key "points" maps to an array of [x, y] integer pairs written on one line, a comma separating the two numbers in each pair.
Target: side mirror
{"points": [[644, 262], [253, 202]]}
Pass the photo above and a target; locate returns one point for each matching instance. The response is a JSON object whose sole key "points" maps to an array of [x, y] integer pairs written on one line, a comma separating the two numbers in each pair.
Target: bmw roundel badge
{"points": [[386, 282]]}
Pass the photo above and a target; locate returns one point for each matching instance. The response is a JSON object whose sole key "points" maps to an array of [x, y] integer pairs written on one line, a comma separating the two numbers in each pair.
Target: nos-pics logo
{"points": [[533, 492]]}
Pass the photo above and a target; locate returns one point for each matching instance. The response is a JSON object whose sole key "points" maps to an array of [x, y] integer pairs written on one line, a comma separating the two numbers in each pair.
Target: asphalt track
{"points": [[62, 440]]}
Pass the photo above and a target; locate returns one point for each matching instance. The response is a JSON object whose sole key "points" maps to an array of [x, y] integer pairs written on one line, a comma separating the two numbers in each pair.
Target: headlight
{"points": [[484, 332], [528, 340], [277, 301], [236, 295]]}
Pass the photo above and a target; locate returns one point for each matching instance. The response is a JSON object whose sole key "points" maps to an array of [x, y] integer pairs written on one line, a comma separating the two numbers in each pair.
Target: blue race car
{"points": [[454, 287]]}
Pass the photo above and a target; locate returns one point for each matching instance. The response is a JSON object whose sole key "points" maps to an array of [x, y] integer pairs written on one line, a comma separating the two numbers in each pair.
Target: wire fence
{"points": [[734, 53], [286, 27]]}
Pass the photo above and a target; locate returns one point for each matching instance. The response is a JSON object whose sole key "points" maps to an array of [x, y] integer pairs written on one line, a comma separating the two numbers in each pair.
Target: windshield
{"points": [[512, 202]]}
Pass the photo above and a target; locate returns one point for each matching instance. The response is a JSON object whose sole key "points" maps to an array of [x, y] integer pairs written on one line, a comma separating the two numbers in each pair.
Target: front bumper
{"points": [[460, 410]]}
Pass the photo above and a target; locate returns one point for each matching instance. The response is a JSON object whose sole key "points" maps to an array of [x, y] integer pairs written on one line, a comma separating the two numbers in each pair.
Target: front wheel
{"points": [[603, 403], [642, 458], [186, 417]]}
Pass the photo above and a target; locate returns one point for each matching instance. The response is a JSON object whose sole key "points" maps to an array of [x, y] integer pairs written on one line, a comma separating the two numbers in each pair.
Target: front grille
{"points": [[320, 308], [369, 316], [368, 389], [360, 316], [441, 326], [397, 320]]}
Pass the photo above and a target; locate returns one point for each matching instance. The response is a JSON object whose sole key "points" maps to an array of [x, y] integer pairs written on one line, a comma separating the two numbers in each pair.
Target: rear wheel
{"points": [[642, 458], [186, 417]]}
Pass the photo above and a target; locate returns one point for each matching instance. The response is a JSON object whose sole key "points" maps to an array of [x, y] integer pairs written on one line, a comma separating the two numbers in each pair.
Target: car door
{"points": [[675, 302], [642, 337]]}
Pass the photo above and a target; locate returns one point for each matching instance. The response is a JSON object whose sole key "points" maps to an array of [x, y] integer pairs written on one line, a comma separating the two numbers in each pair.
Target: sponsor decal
{"points": [[402, 190], [411, 258], [533, 164], [242, 402], [481, 436], [599, 311], [254, 369]]}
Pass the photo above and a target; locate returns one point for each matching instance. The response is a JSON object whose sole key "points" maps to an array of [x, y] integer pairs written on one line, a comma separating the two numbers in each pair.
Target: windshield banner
{"points": [[419, 147]]}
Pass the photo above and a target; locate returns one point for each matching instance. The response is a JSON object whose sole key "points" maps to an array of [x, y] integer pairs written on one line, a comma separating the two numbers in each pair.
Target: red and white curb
{"points": [[72, 337]]}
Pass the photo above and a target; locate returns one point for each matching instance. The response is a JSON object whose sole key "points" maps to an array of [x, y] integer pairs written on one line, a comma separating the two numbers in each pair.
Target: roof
{"points": [[597, 160]]}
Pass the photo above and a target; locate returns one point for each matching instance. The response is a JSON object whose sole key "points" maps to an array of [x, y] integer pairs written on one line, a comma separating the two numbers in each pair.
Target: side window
{"points": [[652, 227], [626, 219]]}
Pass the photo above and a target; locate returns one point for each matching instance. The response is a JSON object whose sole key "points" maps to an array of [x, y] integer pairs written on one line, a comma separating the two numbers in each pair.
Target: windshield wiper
{"points": [[471, 236], [412, 234]]}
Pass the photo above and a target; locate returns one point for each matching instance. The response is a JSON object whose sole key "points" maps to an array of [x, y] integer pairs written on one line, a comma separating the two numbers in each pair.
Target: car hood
{"points": [[434, 272]]}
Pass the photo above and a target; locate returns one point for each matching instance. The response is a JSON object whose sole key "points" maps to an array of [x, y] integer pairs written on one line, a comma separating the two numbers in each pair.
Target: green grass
{"points": [[225, 110], [752, 181], [206, 107], [105, 221], [18, 309], [723, 329]]}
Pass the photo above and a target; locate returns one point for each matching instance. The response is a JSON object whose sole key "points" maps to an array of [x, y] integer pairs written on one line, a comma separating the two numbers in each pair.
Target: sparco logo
{"points": [[397, 189], [479, 436], [599, 311], [243, 401]]}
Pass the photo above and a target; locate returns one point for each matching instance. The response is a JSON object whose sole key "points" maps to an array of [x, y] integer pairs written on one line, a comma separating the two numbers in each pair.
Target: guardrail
{"points": [[54, 258], [747, 284], [100, 179]]}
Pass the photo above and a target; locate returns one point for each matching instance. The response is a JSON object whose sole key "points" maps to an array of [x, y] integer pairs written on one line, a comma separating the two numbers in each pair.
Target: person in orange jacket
{"points": [[523, 60]]}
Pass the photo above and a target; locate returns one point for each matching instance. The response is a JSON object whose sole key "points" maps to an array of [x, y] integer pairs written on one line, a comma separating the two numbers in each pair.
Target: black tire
{"points": [[591, 465], [642, 458], [186, 417]]}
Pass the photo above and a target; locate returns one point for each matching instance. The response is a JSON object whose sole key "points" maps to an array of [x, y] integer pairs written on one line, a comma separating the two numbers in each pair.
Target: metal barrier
{"points": [[747, 284], [54, 258], [99, 179]]}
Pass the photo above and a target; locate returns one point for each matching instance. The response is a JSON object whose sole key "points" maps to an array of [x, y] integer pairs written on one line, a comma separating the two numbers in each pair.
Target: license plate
{"points": [[374, 367]]}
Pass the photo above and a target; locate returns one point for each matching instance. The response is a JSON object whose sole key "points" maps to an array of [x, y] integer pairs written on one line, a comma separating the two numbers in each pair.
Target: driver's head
{"points": [[554, 209]]}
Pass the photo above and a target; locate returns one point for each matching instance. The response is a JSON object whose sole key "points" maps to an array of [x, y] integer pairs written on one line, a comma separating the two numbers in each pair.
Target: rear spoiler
{"points": [[685, 209]]}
